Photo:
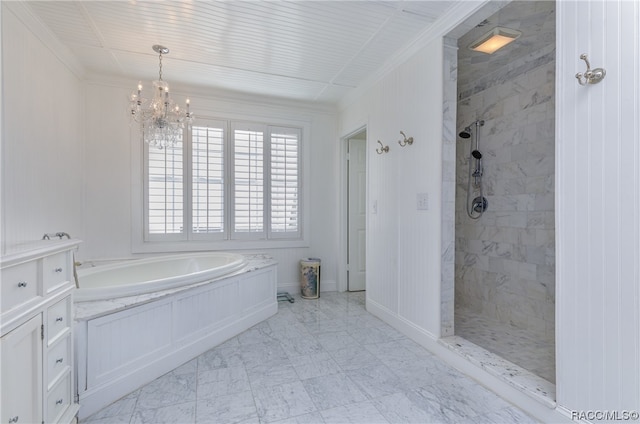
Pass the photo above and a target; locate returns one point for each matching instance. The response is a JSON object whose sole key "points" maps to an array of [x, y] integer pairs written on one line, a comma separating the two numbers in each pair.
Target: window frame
{"points": [[143, 242]]}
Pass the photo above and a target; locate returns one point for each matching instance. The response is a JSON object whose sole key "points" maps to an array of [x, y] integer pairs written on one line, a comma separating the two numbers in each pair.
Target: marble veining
{"points": [[386, 378], [97, 308], [505, 260], [513, 374]]}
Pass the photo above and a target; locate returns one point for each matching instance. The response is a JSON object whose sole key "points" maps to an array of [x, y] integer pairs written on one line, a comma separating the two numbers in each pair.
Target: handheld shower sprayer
{"points": [[476, 170]]}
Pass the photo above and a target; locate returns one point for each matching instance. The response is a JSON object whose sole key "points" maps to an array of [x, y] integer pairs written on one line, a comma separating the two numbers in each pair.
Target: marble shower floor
{"points": [[511, 343], [315, 361]]}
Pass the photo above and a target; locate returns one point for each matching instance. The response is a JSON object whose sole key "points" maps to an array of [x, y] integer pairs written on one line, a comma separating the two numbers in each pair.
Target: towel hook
{"points": [[382, 149], [406, 140], [591, 76]]}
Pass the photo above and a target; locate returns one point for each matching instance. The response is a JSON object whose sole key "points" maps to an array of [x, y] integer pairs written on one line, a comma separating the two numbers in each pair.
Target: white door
{"points": [[22, 373], [356, 214]]}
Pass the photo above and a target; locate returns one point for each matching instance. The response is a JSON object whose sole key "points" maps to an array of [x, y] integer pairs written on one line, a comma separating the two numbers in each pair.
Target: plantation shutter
{"points": [[284, 182], [208, 178], [248, 181], [165, 191]]}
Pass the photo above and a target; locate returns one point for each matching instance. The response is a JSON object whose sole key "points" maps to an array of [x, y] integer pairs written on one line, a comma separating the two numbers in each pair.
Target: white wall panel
{"points": [[403, 244], [598, 218], [42, 138], [109, 188]]}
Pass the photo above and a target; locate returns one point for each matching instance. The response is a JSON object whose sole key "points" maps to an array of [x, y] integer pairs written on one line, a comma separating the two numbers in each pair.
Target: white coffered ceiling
{"points": [[304, 50]]}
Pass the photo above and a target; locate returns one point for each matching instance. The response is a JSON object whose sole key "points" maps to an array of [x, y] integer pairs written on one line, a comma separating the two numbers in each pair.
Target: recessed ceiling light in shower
{"points": [[495, 39]]}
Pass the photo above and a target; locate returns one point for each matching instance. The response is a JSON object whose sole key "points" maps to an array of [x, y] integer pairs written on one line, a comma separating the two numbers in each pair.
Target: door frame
{"points": [[344, 203]]}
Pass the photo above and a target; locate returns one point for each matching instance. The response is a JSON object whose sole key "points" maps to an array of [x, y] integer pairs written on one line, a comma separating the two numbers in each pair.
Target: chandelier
{"points": [[161, 120]]}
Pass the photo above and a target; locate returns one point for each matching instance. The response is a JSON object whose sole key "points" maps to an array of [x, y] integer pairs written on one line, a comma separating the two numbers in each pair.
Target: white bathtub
{"points": [[123, 344], [154, 274]]}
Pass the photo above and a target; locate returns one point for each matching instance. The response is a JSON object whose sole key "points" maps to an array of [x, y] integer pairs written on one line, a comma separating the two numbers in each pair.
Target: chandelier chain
{"points": [[160, 68]]}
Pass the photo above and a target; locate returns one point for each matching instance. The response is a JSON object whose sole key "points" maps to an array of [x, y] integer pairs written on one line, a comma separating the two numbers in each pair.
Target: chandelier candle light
{"points": [[161, 121]]}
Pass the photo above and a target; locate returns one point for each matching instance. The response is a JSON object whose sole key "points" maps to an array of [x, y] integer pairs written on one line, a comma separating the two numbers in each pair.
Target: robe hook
{"points": [[406, 140], [591, 76], [382, 149]]}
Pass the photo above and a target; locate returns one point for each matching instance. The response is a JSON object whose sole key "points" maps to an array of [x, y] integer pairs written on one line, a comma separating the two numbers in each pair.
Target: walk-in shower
{"points": [[503, 270], [476, 170]]}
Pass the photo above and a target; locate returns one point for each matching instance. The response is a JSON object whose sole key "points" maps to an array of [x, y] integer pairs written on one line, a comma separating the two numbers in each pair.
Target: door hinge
{"points": [[348, 267], [42, 332], [348, 156]]}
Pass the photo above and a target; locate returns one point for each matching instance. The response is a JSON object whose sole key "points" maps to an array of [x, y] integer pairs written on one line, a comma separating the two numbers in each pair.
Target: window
{"points": [[226, 181]]}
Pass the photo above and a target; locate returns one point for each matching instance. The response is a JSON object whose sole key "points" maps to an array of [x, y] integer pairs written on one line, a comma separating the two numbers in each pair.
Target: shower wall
{"points": [[505, 261]]}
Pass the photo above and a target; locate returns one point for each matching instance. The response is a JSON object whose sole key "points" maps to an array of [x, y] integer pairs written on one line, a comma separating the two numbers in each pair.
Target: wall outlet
{"points": [[422, 201]]}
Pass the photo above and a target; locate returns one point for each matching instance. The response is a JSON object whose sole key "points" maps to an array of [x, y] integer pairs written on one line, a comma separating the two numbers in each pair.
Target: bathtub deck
{"points": [[97, 308], [125, 343]]}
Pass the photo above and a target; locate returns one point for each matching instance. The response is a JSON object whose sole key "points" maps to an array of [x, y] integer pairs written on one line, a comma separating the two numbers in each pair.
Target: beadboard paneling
{"points": [[598, 217], [42, 138]]}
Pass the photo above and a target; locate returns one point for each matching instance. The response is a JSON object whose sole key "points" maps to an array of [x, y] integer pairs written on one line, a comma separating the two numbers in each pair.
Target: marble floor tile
{"points": [[223, 356], [527, 350], [398, 408], [362, 412], [169, 389], [316, 361], [183, 413], [317, 365], [117, 411], [354, 357], [376, 381], [281, 402], [311, 418], [336, 341], [222, 381], [333, 390], [233, 408], [269, 375]]}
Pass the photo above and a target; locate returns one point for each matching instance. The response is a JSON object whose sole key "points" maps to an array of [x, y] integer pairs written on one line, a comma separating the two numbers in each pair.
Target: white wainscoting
{"points": [[598, 208], [122, 351]]}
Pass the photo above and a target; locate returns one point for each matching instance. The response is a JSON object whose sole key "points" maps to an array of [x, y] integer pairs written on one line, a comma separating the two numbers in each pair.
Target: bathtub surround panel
{"points": [[125, 343], [505, 261]]}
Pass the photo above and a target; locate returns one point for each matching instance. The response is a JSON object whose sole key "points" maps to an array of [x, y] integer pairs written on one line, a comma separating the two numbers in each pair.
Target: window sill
{"points": [[221, 245]]}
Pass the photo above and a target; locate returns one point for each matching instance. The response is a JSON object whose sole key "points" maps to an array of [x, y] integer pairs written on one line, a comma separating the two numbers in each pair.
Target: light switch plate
{"points": [[422, 201]]}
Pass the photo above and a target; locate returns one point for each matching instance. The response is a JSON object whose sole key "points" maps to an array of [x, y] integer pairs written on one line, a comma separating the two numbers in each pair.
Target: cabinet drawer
{"points": [[56, 271], [19, 284], [59, 399], [58, 360], [58, 319]]}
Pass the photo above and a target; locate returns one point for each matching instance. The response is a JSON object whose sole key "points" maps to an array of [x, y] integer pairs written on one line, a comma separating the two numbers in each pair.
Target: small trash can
{"points": [[310, 278]]}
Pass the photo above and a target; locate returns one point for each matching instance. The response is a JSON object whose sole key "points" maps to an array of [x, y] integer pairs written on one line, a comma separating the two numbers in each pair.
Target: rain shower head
{"points": [[466, 133]]}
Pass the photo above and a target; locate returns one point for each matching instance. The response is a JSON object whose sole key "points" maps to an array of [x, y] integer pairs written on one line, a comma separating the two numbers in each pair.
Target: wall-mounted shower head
{"points": [[476, 154], [466, 133]]}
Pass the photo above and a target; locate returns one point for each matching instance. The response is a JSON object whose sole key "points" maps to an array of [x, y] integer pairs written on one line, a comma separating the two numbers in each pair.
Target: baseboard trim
{"points": [[503, 389]]}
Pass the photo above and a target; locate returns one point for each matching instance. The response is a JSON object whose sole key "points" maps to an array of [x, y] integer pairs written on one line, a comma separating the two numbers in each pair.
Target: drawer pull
{"points": [[22, 284], [59, 360], [59, 319], [13, 420], [59, 401], [58, 270]]}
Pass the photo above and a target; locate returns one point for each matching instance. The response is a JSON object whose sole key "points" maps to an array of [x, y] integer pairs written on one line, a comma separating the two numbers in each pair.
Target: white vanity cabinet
{"points": [[36, 376]]}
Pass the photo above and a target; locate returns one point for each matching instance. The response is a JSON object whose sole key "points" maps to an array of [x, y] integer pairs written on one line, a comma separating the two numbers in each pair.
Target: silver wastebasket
{"points": [[310, 278]]}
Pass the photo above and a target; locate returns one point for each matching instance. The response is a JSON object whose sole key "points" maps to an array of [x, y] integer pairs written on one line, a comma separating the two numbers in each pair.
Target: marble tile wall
{"points": [[505, 261]]}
